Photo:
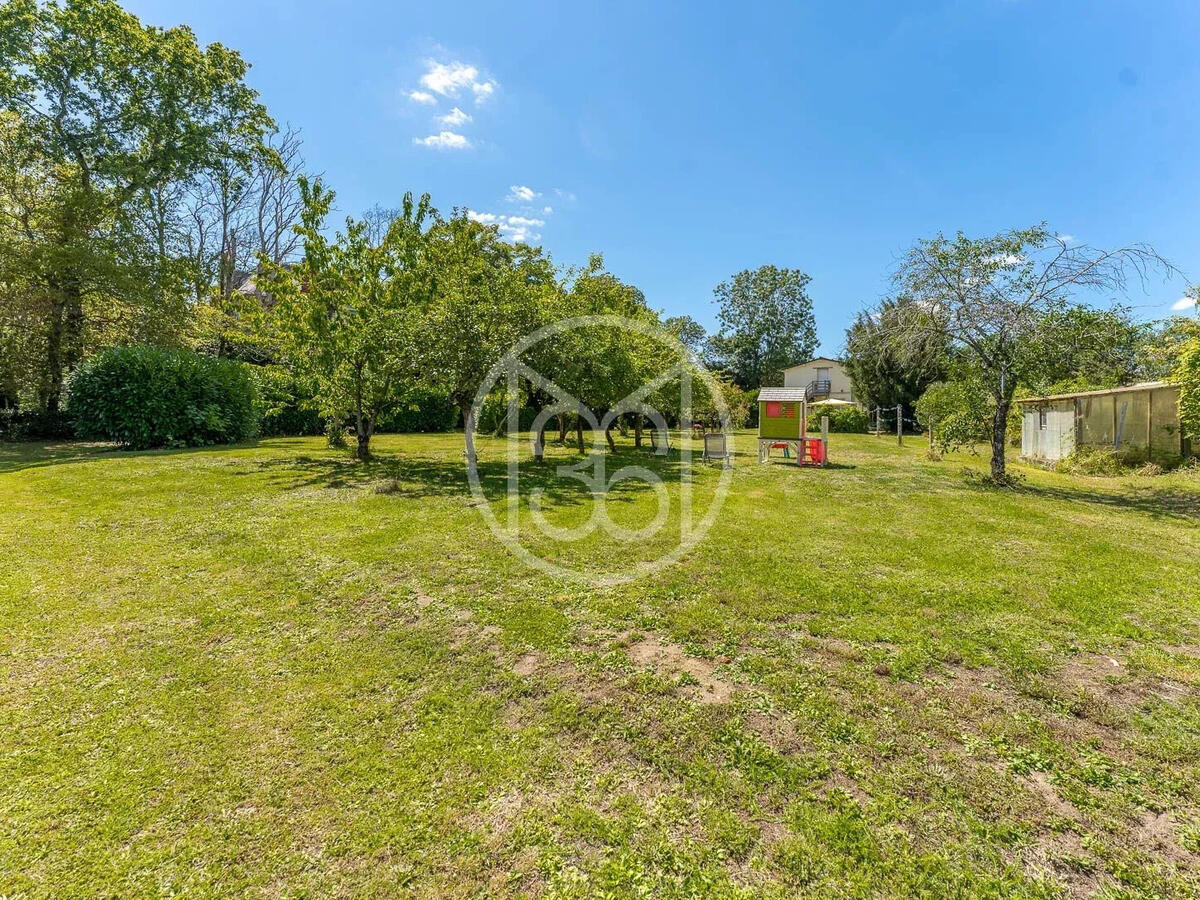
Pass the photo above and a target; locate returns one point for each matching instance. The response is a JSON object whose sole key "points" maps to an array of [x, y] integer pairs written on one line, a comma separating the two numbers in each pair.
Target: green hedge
{"points": [[143, 397], [285, 405], [419, 411], [842, 419]]}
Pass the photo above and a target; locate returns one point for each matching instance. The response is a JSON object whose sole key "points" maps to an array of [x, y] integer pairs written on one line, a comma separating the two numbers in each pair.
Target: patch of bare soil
{"points": [[839, 781], [527, 664], [670, 659], [1110, 681], [777, 731], [1040, 782], [1156, 833], [1063, 854]]}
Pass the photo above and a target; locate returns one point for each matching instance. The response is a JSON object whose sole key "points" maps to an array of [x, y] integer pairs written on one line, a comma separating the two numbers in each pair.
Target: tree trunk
{"points": [[363, 433], [562, 428], [637, 430], [579, 432], [468, 413], [608, 437], [52, 383], [999, 439], [539, 443]]}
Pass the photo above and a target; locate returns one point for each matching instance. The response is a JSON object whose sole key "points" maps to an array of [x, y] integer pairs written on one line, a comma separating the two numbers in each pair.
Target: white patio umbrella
{"points": [[832, 401]]}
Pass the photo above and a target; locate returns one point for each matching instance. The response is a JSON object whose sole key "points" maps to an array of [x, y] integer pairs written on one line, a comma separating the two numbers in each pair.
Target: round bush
{"points": [[143, 397]]}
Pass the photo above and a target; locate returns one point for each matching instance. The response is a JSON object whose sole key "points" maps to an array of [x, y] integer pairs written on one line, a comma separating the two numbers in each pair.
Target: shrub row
{"points": [[146, 397], [143, 397], [842, 419]]}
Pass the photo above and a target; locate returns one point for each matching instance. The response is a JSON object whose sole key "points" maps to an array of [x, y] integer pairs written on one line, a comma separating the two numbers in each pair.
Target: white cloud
{"points": [[422, 97], [455, 117], [519, 193], [444, 140], [566, 195], [451, 79], [1183, 303], [547, 210], [1066, 238], [516, 229]]}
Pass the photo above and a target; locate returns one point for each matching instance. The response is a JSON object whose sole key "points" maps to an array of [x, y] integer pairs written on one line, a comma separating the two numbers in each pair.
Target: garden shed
{"points": [[1141, 419]]}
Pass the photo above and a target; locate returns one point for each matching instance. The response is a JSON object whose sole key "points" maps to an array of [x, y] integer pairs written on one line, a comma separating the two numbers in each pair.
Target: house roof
{"points": [[813, 360], [1129, 388], [787, 395]]}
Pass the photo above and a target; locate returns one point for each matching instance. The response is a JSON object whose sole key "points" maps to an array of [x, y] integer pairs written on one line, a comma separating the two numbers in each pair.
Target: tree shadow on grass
{"points": [[16, 457], [418, 477], [1159, 503]]}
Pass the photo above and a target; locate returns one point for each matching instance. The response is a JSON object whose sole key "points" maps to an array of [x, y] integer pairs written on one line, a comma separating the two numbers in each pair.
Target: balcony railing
{"points": [[817, 390]]}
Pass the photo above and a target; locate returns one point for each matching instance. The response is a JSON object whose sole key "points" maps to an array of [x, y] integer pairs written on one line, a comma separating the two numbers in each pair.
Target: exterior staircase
{"points": [[817, 390]]}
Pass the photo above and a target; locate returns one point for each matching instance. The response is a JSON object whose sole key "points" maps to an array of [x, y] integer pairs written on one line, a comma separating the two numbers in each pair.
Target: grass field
{"points": [[275, 671]]}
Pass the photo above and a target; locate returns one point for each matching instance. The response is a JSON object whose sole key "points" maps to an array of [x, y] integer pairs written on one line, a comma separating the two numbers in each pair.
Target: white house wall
{"points": [[802, 376]]}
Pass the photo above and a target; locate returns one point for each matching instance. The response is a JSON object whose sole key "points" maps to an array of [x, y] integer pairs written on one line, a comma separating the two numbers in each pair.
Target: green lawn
{"points": [[275, 671]]}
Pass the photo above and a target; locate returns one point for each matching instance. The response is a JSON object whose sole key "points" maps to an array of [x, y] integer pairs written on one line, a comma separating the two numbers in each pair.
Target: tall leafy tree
{"points": [[1080, 348], [110, 111], [767, 324], [486, 295], [602, 365], [993, 298], [887, 372], [691, 333], [346, 317]]}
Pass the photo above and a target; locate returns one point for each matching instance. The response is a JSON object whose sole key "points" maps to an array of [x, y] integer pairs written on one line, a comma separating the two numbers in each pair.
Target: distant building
{"points": [[1141, 419], [822, 379]]}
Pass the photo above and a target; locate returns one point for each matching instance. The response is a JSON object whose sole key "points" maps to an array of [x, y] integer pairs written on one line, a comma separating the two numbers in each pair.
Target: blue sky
{"points": [[688, 141]]}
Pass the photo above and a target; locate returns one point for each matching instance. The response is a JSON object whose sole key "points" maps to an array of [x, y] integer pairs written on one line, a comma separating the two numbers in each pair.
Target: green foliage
{"points": [[1187, 373], [100, 115], [957, 412], [345, 316], [31, 424], [144, 397], [1005, 305], [485, 294], [493, 415], [1079, 349], [887, 370], [286, 404], [690, 332], [1163, 344], [420, 410], [842, 419], [1102, 461], [767, 324]]}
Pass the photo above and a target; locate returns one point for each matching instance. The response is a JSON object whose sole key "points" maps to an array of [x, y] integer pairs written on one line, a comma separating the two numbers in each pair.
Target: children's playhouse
{"points": [[782, 425]]}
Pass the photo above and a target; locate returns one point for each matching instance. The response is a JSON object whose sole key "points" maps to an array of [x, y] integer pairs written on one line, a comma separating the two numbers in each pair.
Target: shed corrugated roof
{"points": [[1144, 386], [788, 395]]}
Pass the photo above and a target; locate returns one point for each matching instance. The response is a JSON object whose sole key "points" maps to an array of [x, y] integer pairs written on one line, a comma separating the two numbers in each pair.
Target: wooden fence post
{"points": [[899, 425]]}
